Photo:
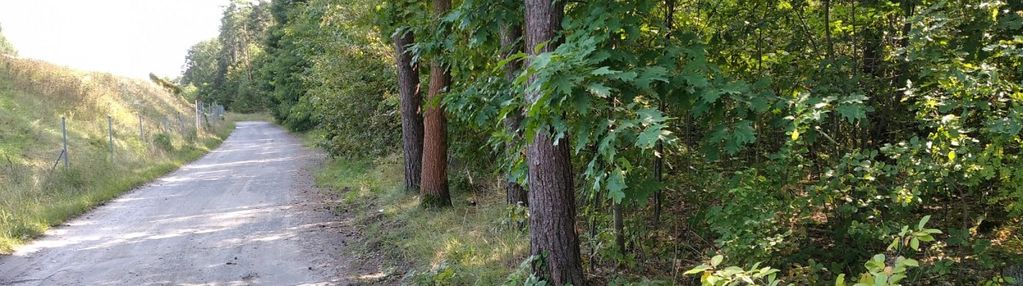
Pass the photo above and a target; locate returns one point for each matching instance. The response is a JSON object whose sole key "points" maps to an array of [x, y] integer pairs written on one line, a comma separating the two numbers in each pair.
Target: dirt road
{"points": [[244, 214]]}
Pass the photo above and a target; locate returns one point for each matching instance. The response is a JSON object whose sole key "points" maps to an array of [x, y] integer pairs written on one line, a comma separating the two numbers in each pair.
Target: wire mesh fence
{"points": [[159, 136]]}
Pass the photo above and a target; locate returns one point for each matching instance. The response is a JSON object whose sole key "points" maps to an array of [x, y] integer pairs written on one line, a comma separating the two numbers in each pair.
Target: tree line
{"points": [[797, 140]]}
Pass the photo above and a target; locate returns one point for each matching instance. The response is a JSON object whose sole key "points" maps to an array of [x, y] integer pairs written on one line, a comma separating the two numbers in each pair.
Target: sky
{"points": [[124, 37]]}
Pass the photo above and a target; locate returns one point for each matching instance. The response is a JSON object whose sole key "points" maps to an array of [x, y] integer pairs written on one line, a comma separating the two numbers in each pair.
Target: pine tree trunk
{"points": [[510, 35], [551, 195], [411, 115], [435, 147]]}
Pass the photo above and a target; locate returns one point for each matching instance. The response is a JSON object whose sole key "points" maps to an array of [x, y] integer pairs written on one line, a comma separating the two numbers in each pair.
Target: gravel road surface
{"points": [[245, 214]]}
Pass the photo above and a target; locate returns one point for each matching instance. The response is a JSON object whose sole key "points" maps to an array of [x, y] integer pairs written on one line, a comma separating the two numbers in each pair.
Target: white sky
{"points": [[124, 37]]}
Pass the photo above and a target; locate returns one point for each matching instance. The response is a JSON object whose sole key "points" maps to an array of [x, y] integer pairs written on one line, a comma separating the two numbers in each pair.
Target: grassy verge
{"points": [[258, 116], [153, 132], [32, 203], [476, 242]]}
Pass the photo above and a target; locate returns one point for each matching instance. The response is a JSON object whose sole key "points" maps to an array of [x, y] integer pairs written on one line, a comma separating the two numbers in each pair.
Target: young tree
{"points": [[411, 116], [551, 197], [435, 148], [511, 35]]}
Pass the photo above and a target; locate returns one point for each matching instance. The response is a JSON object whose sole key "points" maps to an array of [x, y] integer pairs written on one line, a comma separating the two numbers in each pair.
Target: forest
{"points": [[789, 142]]}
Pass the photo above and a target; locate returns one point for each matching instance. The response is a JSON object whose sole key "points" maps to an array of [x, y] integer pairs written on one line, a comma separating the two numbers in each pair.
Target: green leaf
{"points": [[911, 262], [604, 71], [851, 112], [599, 90], [914, 244], [616, 185], [649, 75], [716, 260], [840, 281], [623, 76], [894, 244], [711, 96], [923, 222], [880, 279], [742, 134], [648, 138], [697, 269]]}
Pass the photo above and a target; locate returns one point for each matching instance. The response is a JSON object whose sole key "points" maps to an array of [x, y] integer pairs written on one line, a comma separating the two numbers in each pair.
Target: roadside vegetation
{"points": [[651, 142], [477, 242], [36, 191]]}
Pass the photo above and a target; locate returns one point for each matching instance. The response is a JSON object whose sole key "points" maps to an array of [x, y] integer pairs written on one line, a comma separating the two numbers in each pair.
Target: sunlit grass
{"points": [[257, 116], [36, 192], [474, 240]]}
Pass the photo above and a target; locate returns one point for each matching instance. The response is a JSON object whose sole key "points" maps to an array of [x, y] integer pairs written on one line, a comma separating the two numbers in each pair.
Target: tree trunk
{"points": [[619, 225], [551, 195], [411, 115], [827, 29], [908, 7], [510, 35], [435, 147], [669, 19]]}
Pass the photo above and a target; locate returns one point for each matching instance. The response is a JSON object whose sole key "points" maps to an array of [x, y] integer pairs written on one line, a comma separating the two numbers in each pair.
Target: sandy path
{"points": [[244, 214]]}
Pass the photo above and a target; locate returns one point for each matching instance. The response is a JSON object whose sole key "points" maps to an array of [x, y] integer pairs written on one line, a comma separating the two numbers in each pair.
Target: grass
{"points": [[257, 116], [469, 244], [36, 192]]}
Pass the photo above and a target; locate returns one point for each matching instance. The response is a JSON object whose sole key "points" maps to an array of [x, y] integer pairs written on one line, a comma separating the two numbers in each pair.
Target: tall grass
{"points": [[36, 192], [479, 241]]}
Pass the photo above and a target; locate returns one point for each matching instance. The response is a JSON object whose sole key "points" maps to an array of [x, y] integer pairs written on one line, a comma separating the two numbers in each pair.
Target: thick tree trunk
{"points": [[551, 195], [411, 115], [435, 147], [510, 35]]}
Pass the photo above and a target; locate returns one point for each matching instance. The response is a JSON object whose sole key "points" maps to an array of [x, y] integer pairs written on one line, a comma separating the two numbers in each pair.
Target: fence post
{"points": [[142, 134], [198, 123], [110, 134], [63, 130]]}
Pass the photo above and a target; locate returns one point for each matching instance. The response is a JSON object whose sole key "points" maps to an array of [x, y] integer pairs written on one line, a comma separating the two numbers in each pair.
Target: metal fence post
{"points": [[63, 130], [142, 134], [110, 134]]}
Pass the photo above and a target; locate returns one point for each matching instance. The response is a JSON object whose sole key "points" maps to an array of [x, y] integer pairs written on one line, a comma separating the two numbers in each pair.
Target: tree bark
{"points": [[411, 114], [551, 196], [435, 147], [510, 35]]}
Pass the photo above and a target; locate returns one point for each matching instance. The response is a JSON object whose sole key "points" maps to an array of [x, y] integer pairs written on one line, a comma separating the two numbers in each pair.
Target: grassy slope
{"points": [[34, 95], [465, 245]]}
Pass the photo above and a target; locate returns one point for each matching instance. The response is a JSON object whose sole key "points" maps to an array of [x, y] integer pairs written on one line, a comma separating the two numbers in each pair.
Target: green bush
{"points": [[163, 141]]}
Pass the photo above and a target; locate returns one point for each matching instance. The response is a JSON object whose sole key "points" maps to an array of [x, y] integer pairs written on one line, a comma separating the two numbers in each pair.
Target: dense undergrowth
{"points": [[36, 191]]}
